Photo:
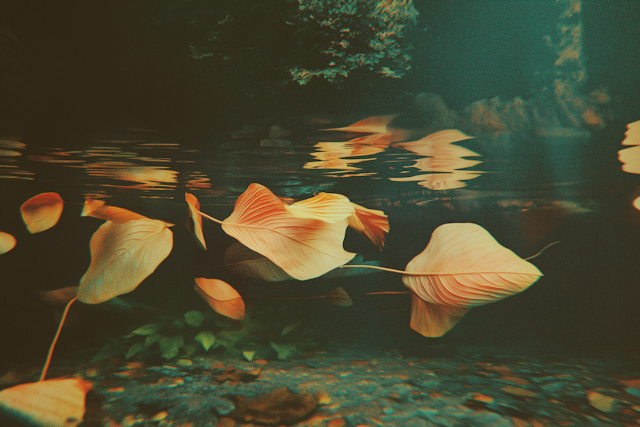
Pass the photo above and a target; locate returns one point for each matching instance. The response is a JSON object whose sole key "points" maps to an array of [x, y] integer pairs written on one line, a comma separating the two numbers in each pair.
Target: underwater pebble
{"points": [[222, 406], [323, 398], [338, 422], [159, 416], [602, 402], [519, 391], [184, 362]]}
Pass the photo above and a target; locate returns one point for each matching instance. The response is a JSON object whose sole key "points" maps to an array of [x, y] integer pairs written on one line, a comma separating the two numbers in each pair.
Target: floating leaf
{"points": [[373, 223], [339, 298], [7, 242], [195, 225], [241, 260], [122, 256], [50, 403], [170, 346], [375, 124], [98, 209], [206, 338], [303, 248], [42, 212], [632, 135], [134, 349], [464, 266], [249, 355], [194, 318], [221, 297], [630, 159]]}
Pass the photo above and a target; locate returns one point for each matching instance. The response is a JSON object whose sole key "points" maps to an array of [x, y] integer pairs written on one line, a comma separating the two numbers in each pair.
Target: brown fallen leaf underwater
{"points": [[463, 266]]}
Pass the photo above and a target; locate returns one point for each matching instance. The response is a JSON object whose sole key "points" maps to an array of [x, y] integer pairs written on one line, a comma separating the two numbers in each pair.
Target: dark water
{"points": [[527, 189]]}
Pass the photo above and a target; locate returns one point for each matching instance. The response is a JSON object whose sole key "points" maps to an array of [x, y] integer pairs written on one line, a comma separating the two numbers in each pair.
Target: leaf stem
{"points": [[210, 218], [542, 250], [375, 267], [387, 293], [55, 340]]}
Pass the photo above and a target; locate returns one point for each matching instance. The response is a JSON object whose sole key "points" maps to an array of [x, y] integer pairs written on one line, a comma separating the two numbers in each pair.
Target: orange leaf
{"points": [[42, 212], [221, 297], [122, 256], [433, 320], [375, 124], [373, 223], [195, 226], [630, 159], [327, 207], [51, 403], [303, 248], [7, 242], [98, 209], [464, 266]]}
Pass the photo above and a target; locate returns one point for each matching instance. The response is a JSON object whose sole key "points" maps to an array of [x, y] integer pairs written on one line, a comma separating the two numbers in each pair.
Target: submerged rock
{"points": [[281, 406]]}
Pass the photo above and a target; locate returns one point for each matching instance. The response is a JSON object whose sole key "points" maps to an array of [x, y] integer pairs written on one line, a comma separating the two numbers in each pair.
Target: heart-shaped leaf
{"points": [[7, 242], [51, 403], [303, 248], [464, 266], [42, 212], [122, 256], [206, 338], [195, 225], [221, 297]]}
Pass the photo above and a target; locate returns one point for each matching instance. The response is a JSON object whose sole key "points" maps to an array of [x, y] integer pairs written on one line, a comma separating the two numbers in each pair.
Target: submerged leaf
{"points": [[284, 351], [373, 223], [134, 349], [170, 346], [339, 298], [221, 297], [195, 225], [433, 320], [194, 318], [7, 242], [303, 248], [206, 338], [149, 329], [464, 266], [60, 296], [50, 403], [241, 260], [327, 207], [42, 212], [122, 256]]}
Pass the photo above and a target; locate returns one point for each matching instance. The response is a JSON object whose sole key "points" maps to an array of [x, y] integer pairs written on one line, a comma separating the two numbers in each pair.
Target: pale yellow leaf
{"points": [[464, 266], [122, 256], [328, 207], [50, 403], [632, 135]]}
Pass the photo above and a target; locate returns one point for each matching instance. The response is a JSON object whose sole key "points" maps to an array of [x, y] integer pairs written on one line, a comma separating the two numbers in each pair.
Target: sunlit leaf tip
{"points": [[42, 212], [195, 225]]}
